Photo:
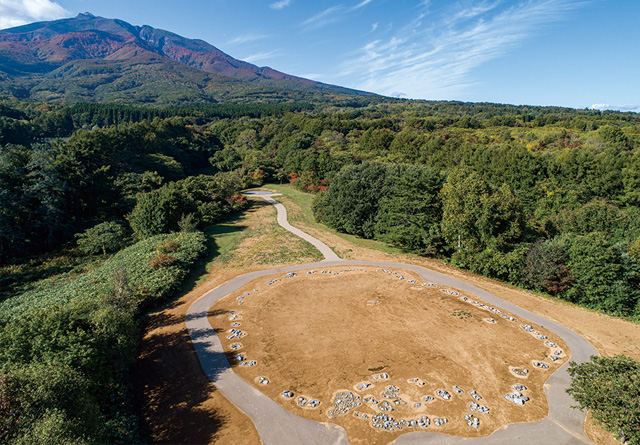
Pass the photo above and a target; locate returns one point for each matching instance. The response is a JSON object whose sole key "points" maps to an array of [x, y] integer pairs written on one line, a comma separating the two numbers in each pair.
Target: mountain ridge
{"points": [[33, 57]]}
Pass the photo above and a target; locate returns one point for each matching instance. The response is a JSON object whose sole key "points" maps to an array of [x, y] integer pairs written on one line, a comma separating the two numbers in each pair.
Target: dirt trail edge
{"points": [[277, 426]]}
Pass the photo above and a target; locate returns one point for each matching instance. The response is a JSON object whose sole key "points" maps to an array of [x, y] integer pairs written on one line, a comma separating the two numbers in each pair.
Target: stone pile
{"points": [[236, 333], [387, 423], [472, 421], [440, 421], [344, 402], [473, 406], [517, 397]]}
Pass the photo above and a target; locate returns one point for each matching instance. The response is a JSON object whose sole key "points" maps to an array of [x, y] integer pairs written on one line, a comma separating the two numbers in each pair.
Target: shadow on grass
{"points": [[171, 391], [170, 388]]}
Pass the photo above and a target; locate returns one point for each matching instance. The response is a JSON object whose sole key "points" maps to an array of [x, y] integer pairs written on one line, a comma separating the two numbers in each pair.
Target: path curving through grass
{"points": [[276, 425]]}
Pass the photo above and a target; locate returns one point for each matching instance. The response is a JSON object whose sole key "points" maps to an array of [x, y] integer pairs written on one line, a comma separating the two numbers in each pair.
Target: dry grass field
{"points": [[177, 403], [384, 339]]}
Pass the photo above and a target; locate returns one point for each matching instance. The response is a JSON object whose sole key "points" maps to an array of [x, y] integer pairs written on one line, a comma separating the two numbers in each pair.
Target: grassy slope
{"points": [[305, 201]]}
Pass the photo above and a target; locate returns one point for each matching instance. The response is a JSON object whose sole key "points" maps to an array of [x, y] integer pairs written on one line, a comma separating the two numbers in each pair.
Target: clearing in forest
{"points": [[380, 353]]}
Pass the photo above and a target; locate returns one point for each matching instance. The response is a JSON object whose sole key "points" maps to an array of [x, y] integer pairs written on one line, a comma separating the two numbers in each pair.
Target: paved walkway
{"points": [[278, 426]]}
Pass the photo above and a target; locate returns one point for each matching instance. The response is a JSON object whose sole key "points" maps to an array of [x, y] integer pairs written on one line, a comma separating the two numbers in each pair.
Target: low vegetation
{"points": [[610, 387], [542, 197]]}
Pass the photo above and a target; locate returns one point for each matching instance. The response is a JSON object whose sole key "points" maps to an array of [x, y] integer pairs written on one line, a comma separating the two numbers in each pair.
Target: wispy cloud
{"points": [[333, 14], [20, 12], [634, 108], [264, 55], [281, 4], [435, 53], [247, 38]]}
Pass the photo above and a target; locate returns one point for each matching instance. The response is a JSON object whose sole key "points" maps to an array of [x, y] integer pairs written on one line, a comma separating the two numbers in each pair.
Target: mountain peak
{"points": [[57, 48]]}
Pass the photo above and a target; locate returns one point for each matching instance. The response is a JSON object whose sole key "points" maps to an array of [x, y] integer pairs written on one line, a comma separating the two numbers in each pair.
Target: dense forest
{"points": [[542, 197]]}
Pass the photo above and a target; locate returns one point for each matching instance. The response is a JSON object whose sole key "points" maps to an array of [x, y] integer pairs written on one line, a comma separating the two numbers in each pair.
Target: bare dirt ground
{"points": [[320, 334], [179, 405], [174, 398]]}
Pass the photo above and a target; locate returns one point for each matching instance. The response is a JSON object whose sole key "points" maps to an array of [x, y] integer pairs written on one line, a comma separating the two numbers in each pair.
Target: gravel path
{"points": [[278, 426]]}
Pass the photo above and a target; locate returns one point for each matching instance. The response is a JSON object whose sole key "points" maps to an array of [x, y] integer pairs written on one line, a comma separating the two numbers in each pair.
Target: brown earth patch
{"points": [[320, 334], [155, 373]]}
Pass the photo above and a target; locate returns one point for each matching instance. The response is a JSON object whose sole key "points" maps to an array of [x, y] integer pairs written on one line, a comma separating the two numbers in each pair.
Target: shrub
{"points": [[162, 260], [106, 237], [610, 386]]}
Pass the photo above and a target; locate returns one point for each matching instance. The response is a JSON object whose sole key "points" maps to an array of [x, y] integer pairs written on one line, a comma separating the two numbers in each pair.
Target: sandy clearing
{"points": [[319, 334]]}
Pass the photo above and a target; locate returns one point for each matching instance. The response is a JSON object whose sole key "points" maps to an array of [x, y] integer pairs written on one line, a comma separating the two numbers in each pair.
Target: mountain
{"points": [[89, 58]]}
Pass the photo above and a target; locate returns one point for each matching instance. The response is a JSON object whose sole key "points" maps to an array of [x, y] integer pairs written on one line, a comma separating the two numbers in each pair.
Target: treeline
{"points": [[68, 318], [51, 190], [542, 197]]}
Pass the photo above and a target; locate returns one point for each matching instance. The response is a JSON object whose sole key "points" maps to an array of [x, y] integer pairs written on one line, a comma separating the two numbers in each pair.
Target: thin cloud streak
{"points": [[332, 14], [433, 57], [247, 38], [253, 58], [20, 12]]}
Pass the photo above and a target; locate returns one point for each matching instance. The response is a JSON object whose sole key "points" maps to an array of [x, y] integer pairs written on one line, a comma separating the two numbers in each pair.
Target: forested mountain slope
{"points": [[88, 58]]}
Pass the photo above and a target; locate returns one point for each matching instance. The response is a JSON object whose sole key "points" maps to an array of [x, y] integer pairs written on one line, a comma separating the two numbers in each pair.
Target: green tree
{"points": [[410, 214], [603, 279], [159, 211], [106, 237], [610, 387], [352, 201], [475, 217]]}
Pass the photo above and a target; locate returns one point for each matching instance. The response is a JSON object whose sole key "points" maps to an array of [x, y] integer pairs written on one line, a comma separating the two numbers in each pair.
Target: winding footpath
{"points": [[277, 426]]}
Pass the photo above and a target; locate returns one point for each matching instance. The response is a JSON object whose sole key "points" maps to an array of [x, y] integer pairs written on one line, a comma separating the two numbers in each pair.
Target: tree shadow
{"points": [[171, 390]]}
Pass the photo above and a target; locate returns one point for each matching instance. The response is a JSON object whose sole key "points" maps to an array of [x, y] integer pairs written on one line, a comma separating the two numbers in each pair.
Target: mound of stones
{"points": [[344, 402]]}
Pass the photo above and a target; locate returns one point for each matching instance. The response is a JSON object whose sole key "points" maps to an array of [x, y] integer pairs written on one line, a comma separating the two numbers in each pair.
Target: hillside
{"points": [[89, 58]]}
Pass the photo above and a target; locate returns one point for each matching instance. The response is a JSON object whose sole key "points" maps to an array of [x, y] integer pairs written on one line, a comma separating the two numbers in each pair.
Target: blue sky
{"points": [[576, 53]]}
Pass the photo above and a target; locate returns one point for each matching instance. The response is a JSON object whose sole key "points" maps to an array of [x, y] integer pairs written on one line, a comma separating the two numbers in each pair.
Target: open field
{"points": [[608, 334], [363, 331]]}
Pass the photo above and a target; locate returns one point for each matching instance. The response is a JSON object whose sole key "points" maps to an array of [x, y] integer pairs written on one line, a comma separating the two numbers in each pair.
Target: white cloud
{"points": [[253, 58], [281, 4], [20, 12], [634, 108], [246, 38], [333, 14], [433, 56]]}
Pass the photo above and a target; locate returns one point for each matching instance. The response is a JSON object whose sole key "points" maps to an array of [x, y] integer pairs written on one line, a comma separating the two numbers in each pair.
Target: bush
{"points": [[106, 237], [610, 387], [144, 283], [162, 260]]}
